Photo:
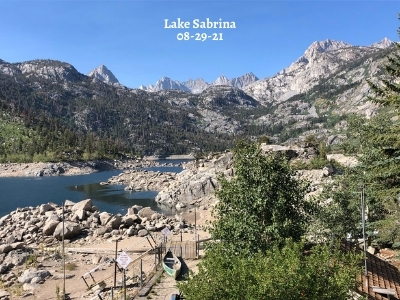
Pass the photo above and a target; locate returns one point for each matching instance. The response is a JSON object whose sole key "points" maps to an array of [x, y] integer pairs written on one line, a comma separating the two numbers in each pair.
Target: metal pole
{"points": [[141, 278], [115, 264], [364, 235], [124, 285], [63, 250]]}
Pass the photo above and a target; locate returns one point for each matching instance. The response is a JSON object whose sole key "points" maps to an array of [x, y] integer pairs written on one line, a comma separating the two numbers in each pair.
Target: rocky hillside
{"points": [[321, 60]]}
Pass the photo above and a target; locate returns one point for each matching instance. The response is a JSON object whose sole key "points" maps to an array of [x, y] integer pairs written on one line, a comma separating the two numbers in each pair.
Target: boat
{"points": [[171, 264]]}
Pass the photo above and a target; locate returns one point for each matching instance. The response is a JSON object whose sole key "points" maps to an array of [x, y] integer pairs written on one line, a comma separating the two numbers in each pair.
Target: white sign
{"points": [[123, 259], [165, 231]]}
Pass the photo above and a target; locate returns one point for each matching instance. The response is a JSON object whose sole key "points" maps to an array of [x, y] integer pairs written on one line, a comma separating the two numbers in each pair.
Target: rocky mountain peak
{"points": [[166, 83], [324, 46], [221, 80], [383, 44], [103, 74], [244, 80], [196, 86]]}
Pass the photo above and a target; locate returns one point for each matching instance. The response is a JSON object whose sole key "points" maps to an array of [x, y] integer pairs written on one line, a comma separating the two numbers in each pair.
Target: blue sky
{"points": [[130, 39]]}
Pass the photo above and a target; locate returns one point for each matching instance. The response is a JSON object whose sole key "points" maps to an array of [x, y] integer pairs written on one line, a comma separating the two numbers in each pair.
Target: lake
{"points": [[32, 191]]}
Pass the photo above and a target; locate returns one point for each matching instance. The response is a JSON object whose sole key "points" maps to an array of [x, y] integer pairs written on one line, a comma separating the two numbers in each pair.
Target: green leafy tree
{"points": [[281, 273], [262, 204]]}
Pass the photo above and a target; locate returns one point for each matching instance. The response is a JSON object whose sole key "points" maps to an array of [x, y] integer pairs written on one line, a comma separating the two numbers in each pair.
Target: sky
{"points": [[130, 38]]}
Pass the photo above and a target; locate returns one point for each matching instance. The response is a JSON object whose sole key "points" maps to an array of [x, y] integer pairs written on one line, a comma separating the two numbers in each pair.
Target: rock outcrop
{"points": [[197, 183], [138, 180]]}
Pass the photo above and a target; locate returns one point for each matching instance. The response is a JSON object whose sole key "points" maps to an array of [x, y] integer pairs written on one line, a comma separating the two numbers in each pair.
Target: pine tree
{"points": [[387, 91], [376, 143]]}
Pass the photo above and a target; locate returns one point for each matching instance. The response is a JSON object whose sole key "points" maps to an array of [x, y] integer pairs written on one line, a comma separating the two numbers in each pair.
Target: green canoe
{"points": [[171, 264]]}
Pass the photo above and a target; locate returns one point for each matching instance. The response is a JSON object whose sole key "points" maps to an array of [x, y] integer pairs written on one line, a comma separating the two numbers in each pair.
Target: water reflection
{"points": [[114, 198], [33, 191]]}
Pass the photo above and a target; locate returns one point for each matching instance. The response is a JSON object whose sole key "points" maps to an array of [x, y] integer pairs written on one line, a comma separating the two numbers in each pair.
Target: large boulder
{"points": [[131, 231], [69, 203], [5, 248], [105, 217], [3, 268], [50, 226], [134, 210], [83, 205], [131, 220], [146, 212], [71, 230], [80, 214], [15, 258], [114, 222], [46, 207], [101, 231], [28, 275]]}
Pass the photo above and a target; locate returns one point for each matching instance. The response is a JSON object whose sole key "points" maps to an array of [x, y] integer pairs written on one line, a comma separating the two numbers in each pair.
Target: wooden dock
{"points": [[185, 250]]}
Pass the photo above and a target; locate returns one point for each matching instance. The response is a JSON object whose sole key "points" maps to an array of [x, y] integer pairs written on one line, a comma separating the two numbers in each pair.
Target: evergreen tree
{"points": [[387, 91]]}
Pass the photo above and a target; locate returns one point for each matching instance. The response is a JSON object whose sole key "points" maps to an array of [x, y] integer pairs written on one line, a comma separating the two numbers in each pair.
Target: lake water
{"points": [[32, 191]]}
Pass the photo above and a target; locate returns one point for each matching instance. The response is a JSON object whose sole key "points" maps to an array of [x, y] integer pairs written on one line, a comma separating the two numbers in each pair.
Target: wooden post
{"points": [[115, 264], [364, 235], [181, 243], [198, 247], [155, 259]]}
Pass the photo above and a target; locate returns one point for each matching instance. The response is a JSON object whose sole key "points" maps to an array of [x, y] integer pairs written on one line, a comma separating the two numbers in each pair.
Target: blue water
{"points": [[32, 191]]}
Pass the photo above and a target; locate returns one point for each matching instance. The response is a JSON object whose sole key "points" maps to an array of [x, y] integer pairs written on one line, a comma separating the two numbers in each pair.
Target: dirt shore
{"points": [[82, 259]]}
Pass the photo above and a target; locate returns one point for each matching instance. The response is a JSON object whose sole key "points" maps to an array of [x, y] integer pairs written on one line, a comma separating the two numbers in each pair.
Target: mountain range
{"points": [[313, 95], [199, 85]]}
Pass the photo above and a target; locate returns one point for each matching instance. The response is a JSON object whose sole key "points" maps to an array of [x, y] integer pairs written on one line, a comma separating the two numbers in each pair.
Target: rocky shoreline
{"points": [[33, 228], [73, 168]]}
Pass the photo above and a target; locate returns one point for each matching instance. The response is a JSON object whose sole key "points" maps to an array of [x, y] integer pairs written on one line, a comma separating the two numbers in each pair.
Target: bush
{"points": [[324, 272]]}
